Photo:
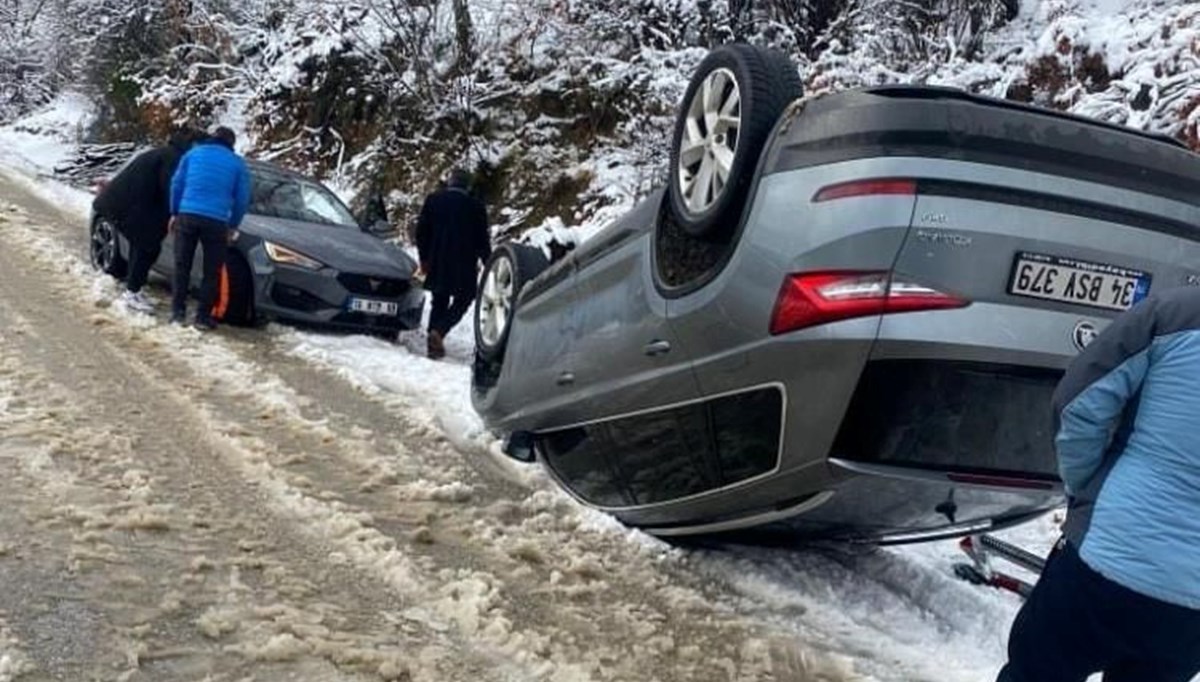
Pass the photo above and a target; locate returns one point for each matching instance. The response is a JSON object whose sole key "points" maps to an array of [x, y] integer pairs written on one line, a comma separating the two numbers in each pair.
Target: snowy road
{"points": [[271, 504]]}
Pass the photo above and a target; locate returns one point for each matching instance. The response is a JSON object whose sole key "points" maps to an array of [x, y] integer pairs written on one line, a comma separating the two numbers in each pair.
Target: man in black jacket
{"points": [[137, 201], [453, 240]]}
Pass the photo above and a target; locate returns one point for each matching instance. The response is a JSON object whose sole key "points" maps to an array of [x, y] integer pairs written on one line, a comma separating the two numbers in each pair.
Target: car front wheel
{"points": [[508, 270]]}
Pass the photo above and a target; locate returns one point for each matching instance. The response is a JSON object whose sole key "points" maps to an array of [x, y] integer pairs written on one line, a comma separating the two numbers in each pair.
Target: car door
{"points": [[637, 434], [165, 264], [538, 380], [627, 356]]}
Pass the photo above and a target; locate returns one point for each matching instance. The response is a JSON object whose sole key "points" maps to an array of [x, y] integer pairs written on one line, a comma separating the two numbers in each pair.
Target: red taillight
{"points": [[864, 188], [814, 298]]}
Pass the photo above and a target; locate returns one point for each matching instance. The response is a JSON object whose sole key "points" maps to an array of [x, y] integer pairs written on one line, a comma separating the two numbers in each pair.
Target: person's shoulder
{"points": [[1176, 309]]}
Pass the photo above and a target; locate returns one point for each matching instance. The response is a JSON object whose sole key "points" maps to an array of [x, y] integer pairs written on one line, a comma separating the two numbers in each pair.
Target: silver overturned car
{"points": [[300, 256], [844, 316]]}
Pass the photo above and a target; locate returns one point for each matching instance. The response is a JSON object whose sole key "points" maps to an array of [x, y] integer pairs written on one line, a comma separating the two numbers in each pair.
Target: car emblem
{"points": [[375, 283], [1085, 333]]}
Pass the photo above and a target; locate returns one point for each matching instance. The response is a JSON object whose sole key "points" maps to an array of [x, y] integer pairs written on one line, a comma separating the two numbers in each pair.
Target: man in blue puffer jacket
{"points": [[210, 193], [1121, 593]]}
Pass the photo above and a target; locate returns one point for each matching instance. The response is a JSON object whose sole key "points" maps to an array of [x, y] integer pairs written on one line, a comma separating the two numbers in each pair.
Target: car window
{"points": [[664, 455], [579, 456], [747, 431], [277, 195]]}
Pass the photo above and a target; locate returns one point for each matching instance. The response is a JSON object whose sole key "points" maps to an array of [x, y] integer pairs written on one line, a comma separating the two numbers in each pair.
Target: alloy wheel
{"points": [[496, 302], [103, 245], [709, 143]]}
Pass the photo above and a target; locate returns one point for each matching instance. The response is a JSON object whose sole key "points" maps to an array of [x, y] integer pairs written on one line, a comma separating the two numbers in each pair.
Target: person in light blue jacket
{"points": [[1121, 593], [210, 194]]}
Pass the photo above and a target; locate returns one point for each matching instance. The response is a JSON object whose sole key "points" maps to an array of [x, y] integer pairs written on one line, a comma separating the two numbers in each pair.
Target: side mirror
{"points": [[380, 228]]}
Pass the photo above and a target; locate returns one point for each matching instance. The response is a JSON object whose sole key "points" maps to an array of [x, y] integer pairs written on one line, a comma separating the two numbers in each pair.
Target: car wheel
{"points": [[239, 296], [104, 249], [508, 270], [390, 335], [731, 106]]}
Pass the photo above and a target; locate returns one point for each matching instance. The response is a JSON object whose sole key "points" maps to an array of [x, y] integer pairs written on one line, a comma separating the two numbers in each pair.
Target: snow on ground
{"points": [[12, 660]]}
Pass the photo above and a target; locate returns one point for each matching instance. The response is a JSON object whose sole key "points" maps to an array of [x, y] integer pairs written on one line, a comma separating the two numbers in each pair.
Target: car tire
{"points": [[105, 248], [509, 269], [239, 312], [390, 335], [744, 89]]}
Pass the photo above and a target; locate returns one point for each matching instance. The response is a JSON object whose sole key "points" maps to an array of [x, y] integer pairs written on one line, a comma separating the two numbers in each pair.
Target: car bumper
{"points": [[322, 298]]}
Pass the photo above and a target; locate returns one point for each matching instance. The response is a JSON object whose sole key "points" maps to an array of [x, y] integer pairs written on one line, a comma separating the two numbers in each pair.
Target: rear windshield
{"points": [[278, 195]]}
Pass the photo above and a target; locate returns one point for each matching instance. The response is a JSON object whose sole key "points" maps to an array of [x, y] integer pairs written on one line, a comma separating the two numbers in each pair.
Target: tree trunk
{"points": [[464, 34]]}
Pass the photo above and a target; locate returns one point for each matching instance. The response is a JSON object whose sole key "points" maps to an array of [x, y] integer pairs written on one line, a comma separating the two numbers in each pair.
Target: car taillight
{"points": [[866, 188], [815, 298]]}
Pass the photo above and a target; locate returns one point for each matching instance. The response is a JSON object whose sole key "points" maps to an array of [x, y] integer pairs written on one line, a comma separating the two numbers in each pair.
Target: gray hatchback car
{"points": [[844, 316]]}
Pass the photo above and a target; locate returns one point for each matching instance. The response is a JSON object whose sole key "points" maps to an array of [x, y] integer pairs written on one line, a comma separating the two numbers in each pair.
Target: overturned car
{"points": [[844, 316]]}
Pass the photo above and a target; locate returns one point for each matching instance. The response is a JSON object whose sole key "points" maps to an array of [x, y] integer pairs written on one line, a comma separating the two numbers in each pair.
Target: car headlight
{"points": [[282, 254]]}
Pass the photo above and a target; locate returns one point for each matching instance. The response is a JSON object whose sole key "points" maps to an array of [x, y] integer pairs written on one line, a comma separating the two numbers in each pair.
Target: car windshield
{"points": [[277, 195]]}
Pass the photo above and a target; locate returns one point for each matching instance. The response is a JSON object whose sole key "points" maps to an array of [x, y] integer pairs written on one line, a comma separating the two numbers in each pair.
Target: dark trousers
{"points": [[213, 237], [141, 258], [447, 310], [1077, 622]]}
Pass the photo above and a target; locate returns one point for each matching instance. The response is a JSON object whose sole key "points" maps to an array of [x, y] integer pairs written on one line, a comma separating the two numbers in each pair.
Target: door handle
{"points": [[565, 379], [657, 347]]}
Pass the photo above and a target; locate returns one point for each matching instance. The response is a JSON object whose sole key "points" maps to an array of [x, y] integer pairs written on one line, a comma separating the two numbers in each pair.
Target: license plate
{"points": [[1067, 280], [373, 307]]}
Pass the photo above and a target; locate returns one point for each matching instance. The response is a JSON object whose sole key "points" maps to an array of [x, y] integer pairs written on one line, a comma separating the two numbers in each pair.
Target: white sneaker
{"points": [[137, 302]]}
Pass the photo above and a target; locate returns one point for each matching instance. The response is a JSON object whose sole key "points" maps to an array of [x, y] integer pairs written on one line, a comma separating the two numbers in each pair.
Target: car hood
{"points": [[344, 249]]}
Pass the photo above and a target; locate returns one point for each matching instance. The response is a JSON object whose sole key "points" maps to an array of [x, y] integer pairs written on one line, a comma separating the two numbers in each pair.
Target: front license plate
{"points": [[373, 307], [1095, 285]]}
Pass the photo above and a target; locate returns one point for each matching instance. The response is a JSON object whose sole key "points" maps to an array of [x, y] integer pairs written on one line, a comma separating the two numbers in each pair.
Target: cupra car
{"points": [[300, 256]]}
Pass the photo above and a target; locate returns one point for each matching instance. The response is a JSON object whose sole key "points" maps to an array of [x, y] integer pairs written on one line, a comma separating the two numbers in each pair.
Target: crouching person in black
{"points": [[137, 201]]}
